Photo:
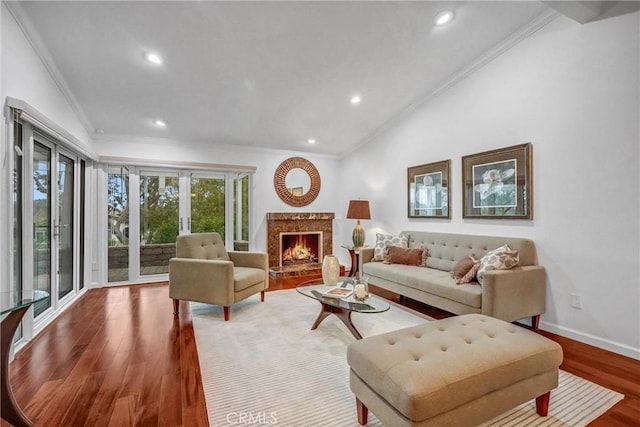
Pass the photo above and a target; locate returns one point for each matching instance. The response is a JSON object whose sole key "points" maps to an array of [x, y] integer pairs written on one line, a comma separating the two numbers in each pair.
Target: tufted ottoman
{"points": [[459, 371]]}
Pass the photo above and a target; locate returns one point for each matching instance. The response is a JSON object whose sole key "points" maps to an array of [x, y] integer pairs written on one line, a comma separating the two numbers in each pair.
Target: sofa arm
{"points": [[514, 294], [202, 280], [366, 255], [250, 259]]}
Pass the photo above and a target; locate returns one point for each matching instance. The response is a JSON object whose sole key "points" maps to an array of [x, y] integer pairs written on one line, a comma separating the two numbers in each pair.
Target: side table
{"points": [[355, 259], [13, 306]]}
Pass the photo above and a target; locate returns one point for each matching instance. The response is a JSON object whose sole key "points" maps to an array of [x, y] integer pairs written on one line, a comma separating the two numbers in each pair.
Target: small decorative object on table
{"points": [[337, 292], [330, 270], [362, 288]]}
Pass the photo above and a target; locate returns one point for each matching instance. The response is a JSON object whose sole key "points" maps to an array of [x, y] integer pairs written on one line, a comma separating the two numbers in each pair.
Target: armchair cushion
{"points": [[201, 246], [245, 277]]}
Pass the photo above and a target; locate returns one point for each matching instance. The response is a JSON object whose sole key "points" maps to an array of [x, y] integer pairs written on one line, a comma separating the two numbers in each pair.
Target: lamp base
{"points": [[358, 236]]}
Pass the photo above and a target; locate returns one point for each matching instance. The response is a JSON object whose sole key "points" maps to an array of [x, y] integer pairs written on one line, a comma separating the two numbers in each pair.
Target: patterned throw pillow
{"points": [[425, 255], [502, 258], [407, 256], [384, 240]]}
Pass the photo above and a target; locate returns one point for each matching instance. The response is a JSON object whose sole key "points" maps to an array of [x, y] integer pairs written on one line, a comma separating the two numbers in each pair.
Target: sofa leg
{"points": [[542, 404], [363, 412], [176, 306], [262, 296], [535, 322], [226, 314]]}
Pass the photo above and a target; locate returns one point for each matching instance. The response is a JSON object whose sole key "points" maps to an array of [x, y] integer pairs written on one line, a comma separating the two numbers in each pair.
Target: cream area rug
{"points": [[266, 367]]}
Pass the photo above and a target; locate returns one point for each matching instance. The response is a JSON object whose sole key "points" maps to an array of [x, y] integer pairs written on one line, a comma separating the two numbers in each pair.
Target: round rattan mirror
{"points": [[299, 195]]}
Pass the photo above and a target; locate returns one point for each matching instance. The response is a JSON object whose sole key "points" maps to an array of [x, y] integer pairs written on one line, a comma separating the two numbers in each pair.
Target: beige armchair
{"points": [[204, 271]]}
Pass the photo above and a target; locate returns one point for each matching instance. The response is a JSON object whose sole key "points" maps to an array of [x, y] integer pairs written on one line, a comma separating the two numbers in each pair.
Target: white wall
{"points": [[572, 90], [25, 77], [266, 162]]}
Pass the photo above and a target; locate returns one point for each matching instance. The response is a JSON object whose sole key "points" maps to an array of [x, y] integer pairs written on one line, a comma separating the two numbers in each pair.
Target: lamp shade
{"points": [[358, 209]]}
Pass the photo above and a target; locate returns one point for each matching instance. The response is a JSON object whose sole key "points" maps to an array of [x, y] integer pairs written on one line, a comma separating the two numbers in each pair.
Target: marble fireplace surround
{"points": [[297, 222]]}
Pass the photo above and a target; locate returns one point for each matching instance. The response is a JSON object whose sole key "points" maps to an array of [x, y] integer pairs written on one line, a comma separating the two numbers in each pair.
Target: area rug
{"points": [[266, 367]]}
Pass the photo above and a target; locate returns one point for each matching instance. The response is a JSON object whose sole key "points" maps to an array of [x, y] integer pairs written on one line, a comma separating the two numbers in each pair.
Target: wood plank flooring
{"points": [[118, 357]]}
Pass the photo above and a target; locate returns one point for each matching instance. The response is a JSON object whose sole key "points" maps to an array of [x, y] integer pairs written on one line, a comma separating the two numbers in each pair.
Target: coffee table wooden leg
{"points": [[324, 312], [343, 315]]}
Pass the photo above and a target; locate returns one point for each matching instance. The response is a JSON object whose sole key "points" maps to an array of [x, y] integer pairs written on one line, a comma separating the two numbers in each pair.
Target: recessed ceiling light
{"points": [[355, 99], [311, 141], [99, 131], [443, 17], [160, 123], [153, 58]]}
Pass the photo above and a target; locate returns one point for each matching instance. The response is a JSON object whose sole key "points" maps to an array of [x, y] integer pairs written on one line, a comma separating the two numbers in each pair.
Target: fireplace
{"points": [[300, 248], [312, 232]]}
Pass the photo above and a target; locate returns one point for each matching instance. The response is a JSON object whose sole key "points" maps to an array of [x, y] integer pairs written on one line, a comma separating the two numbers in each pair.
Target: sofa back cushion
{"points": [[201, 246], [446, 249]]}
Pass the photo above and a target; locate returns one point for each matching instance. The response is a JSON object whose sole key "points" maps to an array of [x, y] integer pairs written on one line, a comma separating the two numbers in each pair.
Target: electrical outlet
{"points": [[576, 301]]}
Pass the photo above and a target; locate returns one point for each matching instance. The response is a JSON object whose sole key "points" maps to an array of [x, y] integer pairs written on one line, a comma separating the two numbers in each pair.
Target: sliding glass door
{"points": [[208, 202], [144, 223], [42, 223], [64, 225], [159, 204], [55, 263]]}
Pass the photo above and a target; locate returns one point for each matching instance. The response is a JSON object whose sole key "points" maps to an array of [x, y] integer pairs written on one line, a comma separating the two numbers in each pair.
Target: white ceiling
{"points": [[263, 74]]}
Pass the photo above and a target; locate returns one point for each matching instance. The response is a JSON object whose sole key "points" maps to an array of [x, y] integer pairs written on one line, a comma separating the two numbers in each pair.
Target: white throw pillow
{"points": [[384, 240], [502, 258]]}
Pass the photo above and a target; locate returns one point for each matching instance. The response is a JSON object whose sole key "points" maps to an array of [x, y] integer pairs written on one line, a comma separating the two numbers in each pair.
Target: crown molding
{"points": [[105, 138], [522, 34], [26, 26]]}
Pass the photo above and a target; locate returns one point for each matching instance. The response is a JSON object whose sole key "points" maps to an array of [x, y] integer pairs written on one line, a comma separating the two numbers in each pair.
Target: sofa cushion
{"points": [[502, 258], [446, 249], [428, 280], [201, 246], [384, 240], [408, 256]]}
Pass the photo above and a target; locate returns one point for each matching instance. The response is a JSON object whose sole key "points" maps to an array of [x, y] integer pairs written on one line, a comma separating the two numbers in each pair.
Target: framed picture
{"points": [[429, 194], [498, 183]]}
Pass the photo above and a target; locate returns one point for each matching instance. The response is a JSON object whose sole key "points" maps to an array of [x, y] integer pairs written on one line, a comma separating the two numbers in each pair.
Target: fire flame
{"points": [[298, 252]]}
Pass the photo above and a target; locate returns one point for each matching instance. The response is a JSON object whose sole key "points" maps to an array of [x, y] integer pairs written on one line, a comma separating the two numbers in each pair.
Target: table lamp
{"points": [[358, 209]]}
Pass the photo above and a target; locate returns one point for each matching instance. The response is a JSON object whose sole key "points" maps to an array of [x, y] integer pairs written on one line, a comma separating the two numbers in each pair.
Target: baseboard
{"points": [[593, 340]]}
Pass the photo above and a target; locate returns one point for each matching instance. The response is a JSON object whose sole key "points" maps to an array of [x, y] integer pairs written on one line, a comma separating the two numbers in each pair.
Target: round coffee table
{"points": [[340, 307]]}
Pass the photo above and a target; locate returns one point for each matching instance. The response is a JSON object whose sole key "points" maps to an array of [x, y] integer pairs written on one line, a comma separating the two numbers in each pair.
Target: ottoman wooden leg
{"points": [[363, 412], [542, 404]]}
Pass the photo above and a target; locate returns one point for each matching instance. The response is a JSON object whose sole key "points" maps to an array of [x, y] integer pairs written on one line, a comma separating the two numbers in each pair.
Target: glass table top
{"points": [[15, 300], [315, 288]]}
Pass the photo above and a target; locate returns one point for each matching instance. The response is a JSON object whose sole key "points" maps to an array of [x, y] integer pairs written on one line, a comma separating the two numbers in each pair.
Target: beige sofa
{"points": [[506, 294]]}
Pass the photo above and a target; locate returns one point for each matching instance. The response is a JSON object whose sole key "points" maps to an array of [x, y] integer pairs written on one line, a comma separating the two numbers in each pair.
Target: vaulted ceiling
{"points": [[263, 74]]}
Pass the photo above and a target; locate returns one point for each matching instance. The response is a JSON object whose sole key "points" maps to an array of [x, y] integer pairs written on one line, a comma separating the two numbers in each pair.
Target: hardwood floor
{"points": [[118, 357]]}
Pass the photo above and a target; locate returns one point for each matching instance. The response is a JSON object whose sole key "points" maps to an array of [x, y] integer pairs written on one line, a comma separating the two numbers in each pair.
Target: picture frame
{"points": [[429, 193], [498, 183]]}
